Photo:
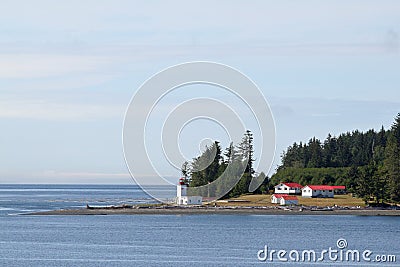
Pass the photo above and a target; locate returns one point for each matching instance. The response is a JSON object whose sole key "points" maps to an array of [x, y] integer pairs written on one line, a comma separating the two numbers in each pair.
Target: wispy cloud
{"points": [[13, 66], [43, 110]]}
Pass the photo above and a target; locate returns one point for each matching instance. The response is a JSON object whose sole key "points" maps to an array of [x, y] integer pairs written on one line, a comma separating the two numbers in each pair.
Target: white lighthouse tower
{"points": [[181, 189], [181, 195]]}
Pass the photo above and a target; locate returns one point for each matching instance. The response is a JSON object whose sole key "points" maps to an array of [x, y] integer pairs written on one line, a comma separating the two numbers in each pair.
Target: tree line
{"points": [[235, 164], [368, 163]]}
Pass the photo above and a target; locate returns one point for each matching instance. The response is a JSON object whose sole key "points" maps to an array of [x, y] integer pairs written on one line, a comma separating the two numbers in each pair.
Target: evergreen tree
{"points": [[206, 167], [329, 151], [315, 152], [211, 165], [245, 154], [352, 178], [185, 170], [264, 187], [392, 161], [365, 188], [380, 185]]}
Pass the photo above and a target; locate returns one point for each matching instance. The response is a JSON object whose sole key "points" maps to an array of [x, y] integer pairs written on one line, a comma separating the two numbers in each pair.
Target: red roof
{"points": [[289, 197], [320, 187], [278, 195], [341, 187], [293, 185]]}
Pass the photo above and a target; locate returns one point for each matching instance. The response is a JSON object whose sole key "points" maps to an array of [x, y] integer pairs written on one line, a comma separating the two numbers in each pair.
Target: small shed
{"points": [[276, 198], [289, 200]]}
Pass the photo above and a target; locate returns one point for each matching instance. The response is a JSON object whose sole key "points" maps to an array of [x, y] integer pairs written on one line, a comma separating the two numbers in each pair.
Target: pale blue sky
{"points": [[68, 70]]}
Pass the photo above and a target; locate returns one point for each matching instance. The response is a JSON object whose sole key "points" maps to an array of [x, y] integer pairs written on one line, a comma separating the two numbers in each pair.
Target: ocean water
{"points": [[15, 199], [169, 240]]}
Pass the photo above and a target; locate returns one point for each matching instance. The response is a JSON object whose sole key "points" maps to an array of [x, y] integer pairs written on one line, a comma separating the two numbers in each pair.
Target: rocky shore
{"points": [[225, 210]]}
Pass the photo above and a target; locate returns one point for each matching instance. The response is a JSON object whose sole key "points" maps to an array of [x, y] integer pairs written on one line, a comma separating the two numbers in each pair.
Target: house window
{"points": [[330, 190]]}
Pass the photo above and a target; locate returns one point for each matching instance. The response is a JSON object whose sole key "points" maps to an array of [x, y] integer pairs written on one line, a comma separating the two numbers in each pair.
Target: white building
{"points": [[276, 198], [318, 191], [181, 195], [289, 200], [288, 188]]}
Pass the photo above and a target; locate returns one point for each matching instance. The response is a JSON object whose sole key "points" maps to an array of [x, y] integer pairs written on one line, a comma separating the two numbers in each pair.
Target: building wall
{"points": [[295, 191], [308, 192], [340, 191], [288, 202], [275, 200], [181, 190], [284, 189], [189, 200], [328, 194], [281, 189], [195, 200]]}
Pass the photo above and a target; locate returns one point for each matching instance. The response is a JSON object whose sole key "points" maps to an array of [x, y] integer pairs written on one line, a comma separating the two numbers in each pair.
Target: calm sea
{"points": [[163, 240]]}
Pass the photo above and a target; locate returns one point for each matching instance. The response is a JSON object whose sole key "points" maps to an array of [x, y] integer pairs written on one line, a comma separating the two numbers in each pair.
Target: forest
{"points": [[367, 163]]}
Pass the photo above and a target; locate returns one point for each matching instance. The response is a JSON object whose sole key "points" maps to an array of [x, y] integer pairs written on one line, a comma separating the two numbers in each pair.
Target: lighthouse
{"points": [[181, 195], [181, 189]]}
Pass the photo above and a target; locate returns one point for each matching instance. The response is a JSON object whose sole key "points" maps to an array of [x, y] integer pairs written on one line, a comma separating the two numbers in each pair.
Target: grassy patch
{"points": [[340, 200], [265, 200]]}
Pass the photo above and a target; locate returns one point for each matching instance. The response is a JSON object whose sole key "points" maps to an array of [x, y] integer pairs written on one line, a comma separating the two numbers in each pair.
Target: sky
{"points": [[68, 70]]}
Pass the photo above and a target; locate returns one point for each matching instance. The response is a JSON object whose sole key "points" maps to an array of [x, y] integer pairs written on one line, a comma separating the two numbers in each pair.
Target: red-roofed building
{"points": [[317, 191], [288, 188], [276, 198], [289, 200], [339, 189], [321, 187]]}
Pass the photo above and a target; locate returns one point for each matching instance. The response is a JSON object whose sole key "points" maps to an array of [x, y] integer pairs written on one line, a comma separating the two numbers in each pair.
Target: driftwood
{"points": [[123, 206]]}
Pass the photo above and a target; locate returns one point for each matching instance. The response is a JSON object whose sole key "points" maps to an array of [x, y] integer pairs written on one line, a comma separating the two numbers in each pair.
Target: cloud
{"points": [[67, 83], [203, 23], [14, 66], [44, 110]]}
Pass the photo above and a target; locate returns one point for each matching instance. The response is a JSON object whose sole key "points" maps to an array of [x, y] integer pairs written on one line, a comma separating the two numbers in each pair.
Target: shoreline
{"points": [[215, 211]]}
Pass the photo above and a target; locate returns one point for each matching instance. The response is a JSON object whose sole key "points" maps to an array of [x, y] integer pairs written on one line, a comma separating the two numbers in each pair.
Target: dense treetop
{"points": [[368, 163]]}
